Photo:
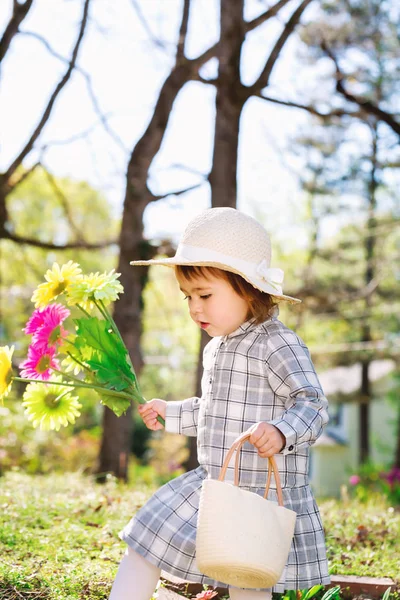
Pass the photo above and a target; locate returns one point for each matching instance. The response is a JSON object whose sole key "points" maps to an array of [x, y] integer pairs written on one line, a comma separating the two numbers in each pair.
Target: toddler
{"points": [[258, 377]]}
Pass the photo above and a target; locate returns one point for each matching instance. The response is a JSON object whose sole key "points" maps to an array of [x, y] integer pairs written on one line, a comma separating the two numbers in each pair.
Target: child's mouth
{"points": [[204, 325]]}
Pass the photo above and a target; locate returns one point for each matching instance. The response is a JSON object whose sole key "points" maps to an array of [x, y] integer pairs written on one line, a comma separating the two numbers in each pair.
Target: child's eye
{"points": [[205, 296], [187, 298]]}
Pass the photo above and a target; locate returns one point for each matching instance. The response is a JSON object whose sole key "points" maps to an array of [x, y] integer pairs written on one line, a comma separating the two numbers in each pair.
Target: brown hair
{"points": [[260, 303]]}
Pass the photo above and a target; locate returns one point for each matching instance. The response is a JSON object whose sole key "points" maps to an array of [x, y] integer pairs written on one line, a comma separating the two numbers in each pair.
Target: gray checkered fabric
{"points": [[257, 373]]}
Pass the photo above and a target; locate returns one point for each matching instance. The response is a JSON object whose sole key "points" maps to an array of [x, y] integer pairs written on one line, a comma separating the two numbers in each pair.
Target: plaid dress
{"points": [[257, 373]]}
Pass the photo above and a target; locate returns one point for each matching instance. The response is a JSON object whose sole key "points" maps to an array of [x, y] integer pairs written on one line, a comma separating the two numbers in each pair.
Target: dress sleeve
{"points": [[293, 379], [182, 416]]}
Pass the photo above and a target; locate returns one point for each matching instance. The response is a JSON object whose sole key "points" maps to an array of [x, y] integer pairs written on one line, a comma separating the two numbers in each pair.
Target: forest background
{"points": [[122, 121]]}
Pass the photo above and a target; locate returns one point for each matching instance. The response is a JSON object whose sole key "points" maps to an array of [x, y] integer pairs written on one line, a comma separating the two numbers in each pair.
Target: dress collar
{"points": [[250, 325], [243, 328]]}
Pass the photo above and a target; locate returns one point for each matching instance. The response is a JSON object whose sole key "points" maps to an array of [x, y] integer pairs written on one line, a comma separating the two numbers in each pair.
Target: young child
{"points": [[258, 376]]}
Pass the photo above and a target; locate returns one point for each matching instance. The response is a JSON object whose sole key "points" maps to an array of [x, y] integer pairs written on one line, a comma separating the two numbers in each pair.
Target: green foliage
{"points": [[362, 537], [350, 186], [315, 592], [74, 448], [372, 478], [59, 536], [170, 340], [166, 453], [36, 212]]}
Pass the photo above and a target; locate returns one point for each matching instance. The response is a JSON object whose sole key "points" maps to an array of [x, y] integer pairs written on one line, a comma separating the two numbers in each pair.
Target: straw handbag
{"points": [[242, 539]]}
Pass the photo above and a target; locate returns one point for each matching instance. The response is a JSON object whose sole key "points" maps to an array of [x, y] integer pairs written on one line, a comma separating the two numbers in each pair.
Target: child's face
{"points": [[214, 305]]}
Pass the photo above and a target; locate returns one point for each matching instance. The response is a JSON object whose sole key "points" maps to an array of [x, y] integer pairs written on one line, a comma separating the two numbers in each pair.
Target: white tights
{"points": [[137, 579]]}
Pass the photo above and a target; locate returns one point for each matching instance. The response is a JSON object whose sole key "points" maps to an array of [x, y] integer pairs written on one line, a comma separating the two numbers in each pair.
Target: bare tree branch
{"points": [[20, 10], [365, 105], [265, 16], [13, 184], [46, 115], [78, 136], [180, 52], [309, 108], [263, 79], [49, 246], [186, 168], [200, 78], [178, 192], [158, 43], [248, 26], [88, 80], [49, 48]]}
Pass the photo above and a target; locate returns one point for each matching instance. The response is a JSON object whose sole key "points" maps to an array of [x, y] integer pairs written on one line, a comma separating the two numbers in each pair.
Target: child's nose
{"points": [[195, 307]]}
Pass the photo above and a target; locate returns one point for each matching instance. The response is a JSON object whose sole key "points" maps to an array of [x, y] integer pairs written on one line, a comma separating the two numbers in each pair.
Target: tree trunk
{"points": [[364, 412], [369, 247], [229, 104], [231, 96], [117, 432]]}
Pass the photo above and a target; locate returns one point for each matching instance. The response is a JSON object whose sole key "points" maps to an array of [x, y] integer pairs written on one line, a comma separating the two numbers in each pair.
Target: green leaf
{"points": [[313, 591], [332, 593], [386, 595], [106, 373], [118, 405], [104, 352]]}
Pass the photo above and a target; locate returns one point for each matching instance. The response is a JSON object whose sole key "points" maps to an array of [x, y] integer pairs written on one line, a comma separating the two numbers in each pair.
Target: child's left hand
{"points": [[268, 439]]}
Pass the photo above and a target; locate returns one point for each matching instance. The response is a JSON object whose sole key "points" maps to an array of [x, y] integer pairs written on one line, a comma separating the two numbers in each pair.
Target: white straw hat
{"points": [[232, 241]]}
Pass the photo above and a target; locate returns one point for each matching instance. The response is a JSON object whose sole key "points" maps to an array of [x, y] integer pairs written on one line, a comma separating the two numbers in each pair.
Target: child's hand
{"points": [[150, 411], [268, 439]]}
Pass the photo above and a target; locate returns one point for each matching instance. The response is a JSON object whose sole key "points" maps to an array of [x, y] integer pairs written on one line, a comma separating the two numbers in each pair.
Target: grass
{"points": [[59, 535], [362, 537]]}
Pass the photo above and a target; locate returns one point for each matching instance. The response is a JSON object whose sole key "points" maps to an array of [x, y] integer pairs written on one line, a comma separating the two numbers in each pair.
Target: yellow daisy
{"points": [[6, 376], [95, 286], [50, 406], [58, 280]]}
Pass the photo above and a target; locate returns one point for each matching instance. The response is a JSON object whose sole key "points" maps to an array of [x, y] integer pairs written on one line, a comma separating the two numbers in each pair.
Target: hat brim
{"points": [[175, 261]]}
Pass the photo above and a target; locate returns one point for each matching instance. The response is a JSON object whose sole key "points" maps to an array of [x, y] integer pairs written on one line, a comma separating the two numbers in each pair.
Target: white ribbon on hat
{"points": [[266, 278], [272, 276]]}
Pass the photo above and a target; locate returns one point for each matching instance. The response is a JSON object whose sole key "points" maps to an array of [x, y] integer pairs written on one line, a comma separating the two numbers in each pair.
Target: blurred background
{"points": [[121, 121]]}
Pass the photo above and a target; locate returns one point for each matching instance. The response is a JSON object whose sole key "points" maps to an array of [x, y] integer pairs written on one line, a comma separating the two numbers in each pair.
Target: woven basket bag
{"points": [[242, 539]]}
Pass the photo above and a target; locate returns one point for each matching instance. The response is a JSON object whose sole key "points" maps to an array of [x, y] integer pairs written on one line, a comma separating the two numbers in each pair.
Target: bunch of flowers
{"points": [[60, 361]]}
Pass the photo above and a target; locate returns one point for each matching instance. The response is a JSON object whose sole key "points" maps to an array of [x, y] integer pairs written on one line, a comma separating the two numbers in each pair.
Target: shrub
{"points": [[372, 478]]}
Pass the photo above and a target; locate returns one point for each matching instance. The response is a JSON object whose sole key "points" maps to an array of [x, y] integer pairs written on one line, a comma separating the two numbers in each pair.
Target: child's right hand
{"points": [[150, 411]]}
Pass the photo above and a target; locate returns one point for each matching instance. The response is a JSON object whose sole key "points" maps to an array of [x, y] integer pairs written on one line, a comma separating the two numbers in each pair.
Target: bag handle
{"points": [[236, 446]]}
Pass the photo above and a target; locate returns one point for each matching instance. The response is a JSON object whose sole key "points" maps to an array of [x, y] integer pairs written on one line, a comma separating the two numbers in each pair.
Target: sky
{"points": [[127, 69]]}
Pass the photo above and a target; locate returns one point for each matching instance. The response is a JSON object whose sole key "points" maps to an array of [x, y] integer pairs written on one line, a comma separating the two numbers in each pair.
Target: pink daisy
{"points": [[39, 364], [45, 326]]}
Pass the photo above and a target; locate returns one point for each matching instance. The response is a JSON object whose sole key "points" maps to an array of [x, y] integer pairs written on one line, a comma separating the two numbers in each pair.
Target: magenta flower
{"points": [[39, 364], [206, 595], [354, 479], [393, 476], [45, 326]]}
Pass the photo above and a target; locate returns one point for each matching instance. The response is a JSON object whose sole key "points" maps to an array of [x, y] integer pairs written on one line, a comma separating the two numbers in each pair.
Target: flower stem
{"points": [[77, 383], [83, 310], [78, 361], [62, 395]]}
